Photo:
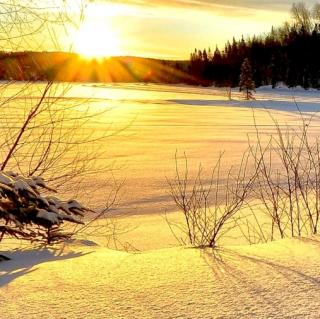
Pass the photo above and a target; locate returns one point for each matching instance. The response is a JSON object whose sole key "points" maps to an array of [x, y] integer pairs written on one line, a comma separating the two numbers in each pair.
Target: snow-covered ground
{"points": [[277, 280], [86, 279], [160, 120], [149, 123]]}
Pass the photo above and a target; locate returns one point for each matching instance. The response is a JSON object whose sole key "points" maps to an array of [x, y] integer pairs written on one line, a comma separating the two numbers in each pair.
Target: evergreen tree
{"points": [[246, 83], [210, 56], [288, 54], [27, 213], [273, 72]]}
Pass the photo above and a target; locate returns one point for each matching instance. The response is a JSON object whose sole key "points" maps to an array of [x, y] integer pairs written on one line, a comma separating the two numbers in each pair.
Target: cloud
{"points": [[216, 5], [223, 8]]}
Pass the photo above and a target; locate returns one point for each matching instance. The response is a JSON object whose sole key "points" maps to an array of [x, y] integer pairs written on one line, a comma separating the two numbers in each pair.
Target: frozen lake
{"points": [[279, 279], [148, 124]]}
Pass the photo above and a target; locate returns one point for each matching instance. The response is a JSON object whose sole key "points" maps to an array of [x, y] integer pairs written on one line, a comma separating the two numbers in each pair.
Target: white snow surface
{"points": [[276, 280], [147, 124], [85, 279]]}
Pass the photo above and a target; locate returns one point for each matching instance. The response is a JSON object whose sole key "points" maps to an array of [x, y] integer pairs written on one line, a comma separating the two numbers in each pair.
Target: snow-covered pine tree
{"points": [[246, 83], [27, 213]]}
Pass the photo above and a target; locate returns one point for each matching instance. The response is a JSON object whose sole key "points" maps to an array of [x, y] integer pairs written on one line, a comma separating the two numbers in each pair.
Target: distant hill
{"points": [[71, 67]]}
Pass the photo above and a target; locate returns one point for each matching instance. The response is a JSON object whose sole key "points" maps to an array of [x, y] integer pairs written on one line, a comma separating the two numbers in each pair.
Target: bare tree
{"points": [[50, 136], [35, 25], [316, 12], [302, 16], [43, 133]]}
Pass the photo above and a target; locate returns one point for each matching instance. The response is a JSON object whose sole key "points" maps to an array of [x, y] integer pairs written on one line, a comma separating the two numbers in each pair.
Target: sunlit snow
{"points": [[159, 279]]}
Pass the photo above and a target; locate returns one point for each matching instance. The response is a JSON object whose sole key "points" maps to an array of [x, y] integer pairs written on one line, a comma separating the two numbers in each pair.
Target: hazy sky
{"points": [[173, 28], [165, 28]]}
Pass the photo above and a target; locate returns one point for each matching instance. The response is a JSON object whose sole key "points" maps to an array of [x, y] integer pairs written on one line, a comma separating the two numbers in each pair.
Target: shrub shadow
{"points": [[226, 262], [22, 261]]}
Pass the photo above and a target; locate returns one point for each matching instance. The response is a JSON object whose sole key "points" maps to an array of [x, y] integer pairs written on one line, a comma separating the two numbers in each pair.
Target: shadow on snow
{"points": [[22, 261]]}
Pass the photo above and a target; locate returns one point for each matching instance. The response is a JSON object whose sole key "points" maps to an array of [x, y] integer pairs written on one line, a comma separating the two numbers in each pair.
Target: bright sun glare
{"points": [[96, 36]]}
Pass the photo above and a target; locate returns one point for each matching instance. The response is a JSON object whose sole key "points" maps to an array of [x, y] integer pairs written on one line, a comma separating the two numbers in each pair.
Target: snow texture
{"points": [[84, 279], [277, 280]]}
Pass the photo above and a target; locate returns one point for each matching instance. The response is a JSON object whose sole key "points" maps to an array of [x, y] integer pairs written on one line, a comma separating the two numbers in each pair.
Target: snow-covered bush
{"points": [[28, 211]]}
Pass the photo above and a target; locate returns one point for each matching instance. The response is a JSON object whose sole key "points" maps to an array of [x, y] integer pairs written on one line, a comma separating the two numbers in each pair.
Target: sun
{"points": [[96, 37], [95, 40]]}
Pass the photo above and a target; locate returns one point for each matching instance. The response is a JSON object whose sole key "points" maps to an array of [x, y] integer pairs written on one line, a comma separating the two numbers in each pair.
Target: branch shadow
{"points": [[22, 261], [221, 261], [255, 280]]}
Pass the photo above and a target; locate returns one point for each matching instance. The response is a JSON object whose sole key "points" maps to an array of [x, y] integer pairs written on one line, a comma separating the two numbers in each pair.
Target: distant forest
{"points": [[289, 54], [71, 67]]}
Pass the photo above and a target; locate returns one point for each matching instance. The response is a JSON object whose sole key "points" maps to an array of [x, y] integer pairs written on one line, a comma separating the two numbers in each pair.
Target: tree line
{"points": [[71, 67], [287, 54]]}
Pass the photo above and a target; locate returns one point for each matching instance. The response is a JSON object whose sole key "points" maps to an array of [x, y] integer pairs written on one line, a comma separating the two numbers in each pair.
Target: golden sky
{"points": [[172, 29], [155, 28]]}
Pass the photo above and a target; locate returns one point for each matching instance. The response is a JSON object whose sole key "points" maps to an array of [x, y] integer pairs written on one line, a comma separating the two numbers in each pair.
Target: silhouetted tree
{"points": [[246, 83], [273, 71], [302, 16], [288, 54]]}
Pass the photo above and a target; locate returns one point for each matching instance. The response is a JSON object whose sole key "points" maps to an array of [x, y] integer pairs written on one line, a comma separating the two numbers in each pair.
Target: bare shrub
{"points": [[209, 205], [250, 225], [281, 194], [287, 180]]}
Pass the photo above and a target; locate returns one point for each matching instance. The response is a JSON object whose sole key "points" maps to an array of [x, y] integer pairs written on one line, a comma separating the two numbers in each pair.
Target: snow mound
{"points": [[277, 280]]}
